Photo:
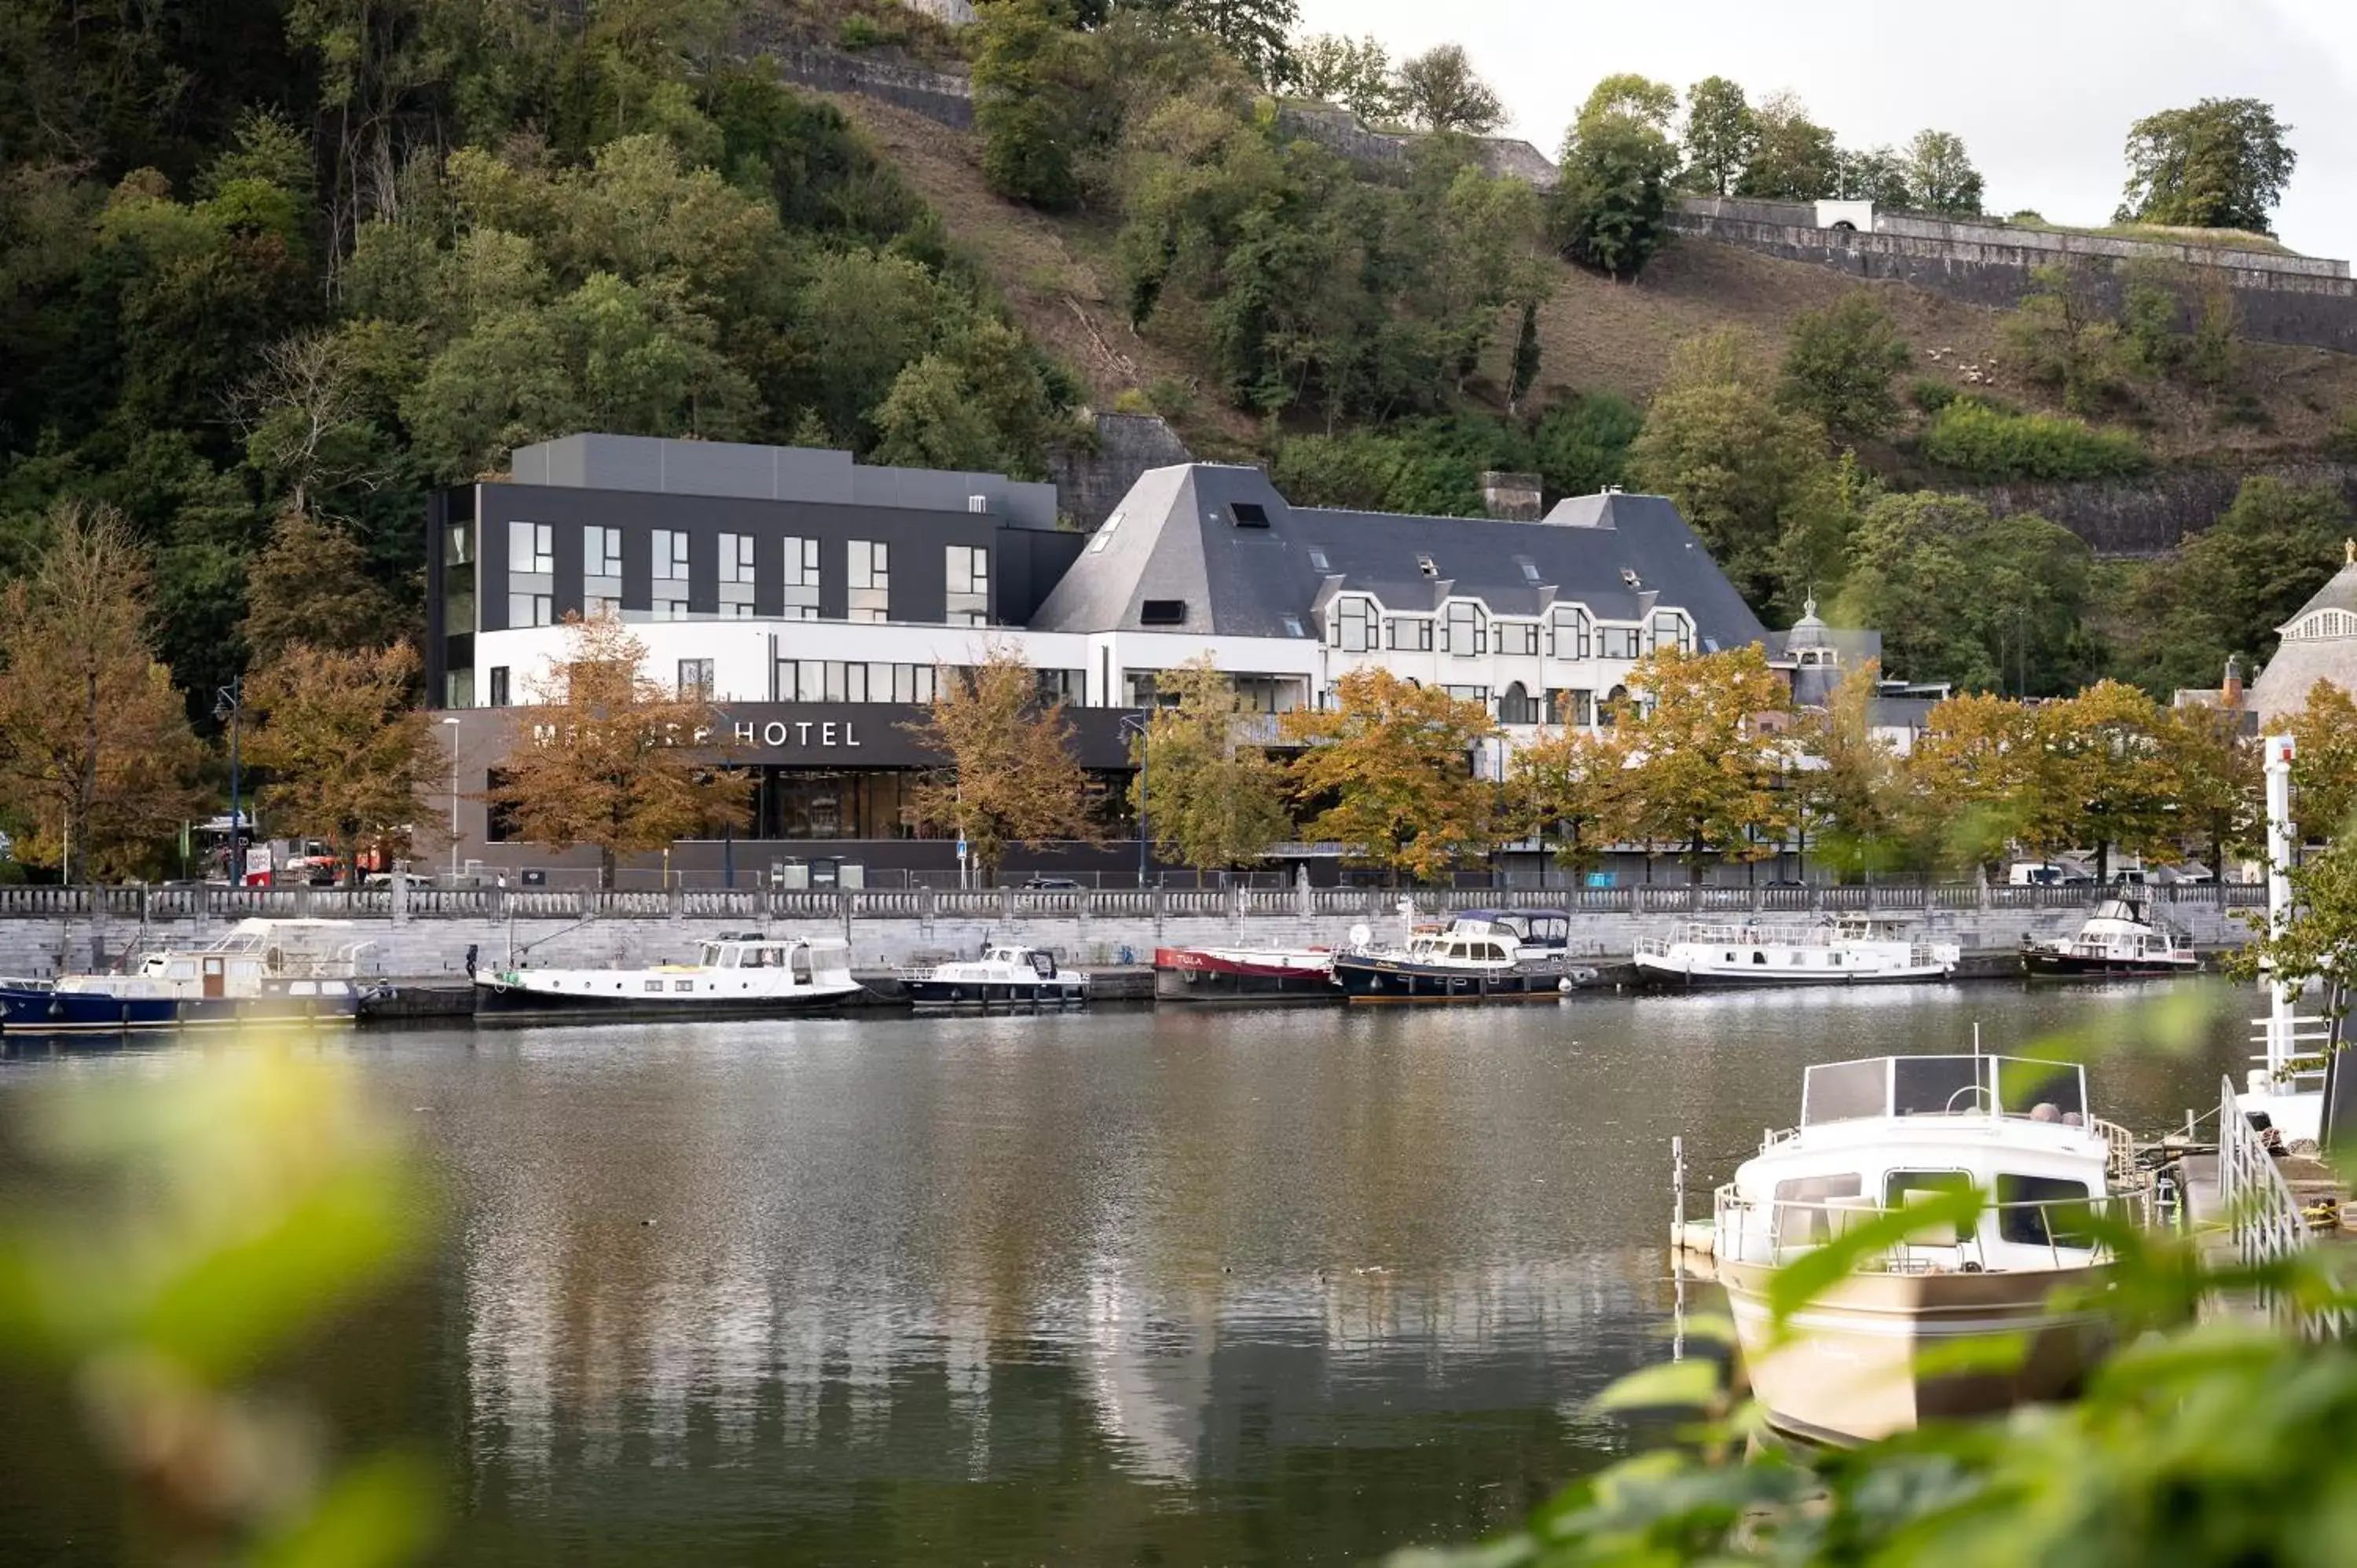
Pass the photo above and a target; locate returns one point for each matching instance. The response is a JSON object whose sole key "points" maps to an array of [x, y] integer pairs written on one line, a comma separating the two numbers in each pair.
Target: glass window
{"points": [[1515, 637], [695, 678], [1465, 634], [1570, 707], [2060, 1223], [969, 586], [530, 610], [1567, 632], [459, 546], [1517, 706], [601, 552], [870, 579], [1410, 634], [1104, 534], [1616, 642], [1900, 1188], [669, 557], [498, 685], [737, 558], [531, 548], [801, 579], [1353, 628], [1672, 630]]}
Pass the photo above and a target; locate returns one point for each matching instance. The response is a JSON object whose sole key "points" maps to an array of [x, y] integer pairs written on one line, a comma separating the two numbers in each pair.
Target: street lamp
{"points": [[452, 725], [1141, 726], [229, 705]]}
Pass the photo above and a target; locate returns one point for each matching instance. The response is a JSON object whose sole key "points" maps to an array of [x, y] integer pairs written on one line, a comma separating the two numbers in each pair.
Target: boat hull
{"points": [[1881, 1353], [34, 1012], [1399, 982], [997, 992], [2047, 964], [1663, 974], [500, 1003], [1196, 977]]}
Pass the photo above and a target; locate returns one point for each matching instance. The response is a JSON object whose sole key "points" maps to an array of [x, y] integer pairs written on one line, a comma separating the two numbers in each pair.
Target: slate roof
{"points": [[1178, 538], [2300, 662]]}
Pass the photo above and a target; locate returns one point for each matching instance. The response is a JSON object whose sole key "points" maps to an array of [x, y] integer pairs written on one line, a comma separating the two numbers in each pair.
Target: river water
{"points": [[1137, 1287]]}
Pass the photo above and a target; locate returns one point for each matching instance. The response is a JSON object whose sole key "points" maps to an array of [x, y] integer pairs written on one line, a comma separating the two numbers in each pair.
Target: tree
{"points": [[2324, 762], [1439, 91], [1583, 442], [1708, 754], [1387, 769], [303, 417], [2222, 164], [1852, 799], [2058, 336], [2219, 796], [1794, 158], [1839, 363], [1034, 82], [350, 756], [1011, 776], [2106, 774], [1871, 174], [1256, 32], [1211, 800], [602, 756], [1353, 72], [1974, 777], [1721, 136], [1570, 787], [1939, 175], [312, 584], [1744, 472], [1611, 204], [94, 742]]}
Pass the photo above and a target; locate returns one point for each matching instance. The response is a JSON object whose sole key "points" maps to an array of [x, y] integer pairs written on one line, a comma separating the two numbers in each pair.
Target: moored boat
{"points": [[259, 971], [1258, 975], [741, 974], [2119, 941], [1482, 955], [1006, 974], [1849, 950], [1890, 1342]]}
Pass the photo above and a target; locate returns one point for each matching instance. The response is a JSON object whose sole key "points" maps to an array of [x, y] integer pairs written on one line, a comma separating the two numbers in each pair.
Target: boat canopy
{"points": [[1938, 1086]]}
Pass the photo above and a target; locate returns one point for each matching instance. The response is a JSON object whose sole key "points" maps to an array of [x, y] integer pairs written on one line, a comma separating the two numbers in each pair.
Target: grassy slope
{"points": [[1057, 276]]}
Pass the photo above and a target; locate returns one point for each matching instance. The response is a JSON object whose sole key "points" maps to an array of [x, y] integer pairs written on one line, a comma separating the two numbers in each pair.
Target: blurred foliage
{"points": [[174, 1236]]}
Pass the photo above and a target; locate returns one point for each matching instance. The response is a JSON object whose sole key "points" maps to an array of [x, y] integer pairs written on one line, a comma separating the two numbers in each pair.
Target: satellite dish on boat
{"points": [[1360, 935]]}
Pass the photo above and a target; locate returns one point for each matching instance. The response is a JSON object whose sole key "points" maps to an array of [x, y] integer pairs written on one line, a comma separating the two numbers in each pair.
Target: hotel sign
{"points": [[870, 735], [779, 734]]}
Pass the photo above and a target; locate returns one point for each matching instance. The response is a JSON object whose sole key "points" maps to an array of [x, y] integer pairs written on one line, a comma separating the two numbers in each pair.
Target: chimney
{"points": [[1514, 497], [2230, 696]]}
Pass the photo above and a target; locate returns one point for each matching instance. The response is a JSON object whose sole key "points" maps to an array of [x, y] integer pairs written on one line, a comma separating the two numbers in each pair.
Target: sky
{"points": [[2042, 90]]}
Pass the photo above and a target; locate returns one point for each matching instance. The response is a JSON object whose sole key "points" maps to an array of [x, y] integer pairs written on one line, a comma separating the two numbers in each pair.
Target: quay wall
{"points": [[887, 932]]}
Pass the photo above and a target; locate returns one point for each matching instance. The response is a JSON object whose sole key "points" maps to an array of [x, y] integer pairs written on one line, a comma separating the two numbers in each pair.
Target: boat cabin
{"points": [[755, 950], [1887, 1132], [1545, 928]]}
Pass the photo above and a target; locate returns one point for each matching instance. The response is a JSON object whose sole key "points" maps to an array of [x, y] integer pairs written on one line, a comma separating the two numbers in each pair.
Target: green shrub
{"points": [[1129, 399], [1987, 444], [860, 31], [1583, 444], [1931, 394], [2341, 442]]}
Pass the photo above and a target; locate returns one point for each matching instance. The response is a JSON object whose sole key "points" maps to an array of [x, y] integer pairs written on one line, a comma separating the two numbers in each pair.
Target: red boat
{"points": [[1257, 975]]}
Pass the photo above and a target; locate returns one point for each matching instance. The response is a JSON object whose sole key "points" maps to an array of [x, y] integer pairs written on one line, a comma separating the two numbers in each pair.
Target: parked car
{"points": [[1053, 885]]}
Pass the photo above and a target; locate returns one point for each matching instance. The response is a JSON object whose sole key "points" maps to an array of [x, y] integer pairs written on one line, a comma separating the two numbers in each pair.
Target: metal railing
{"points": [[2263, 1215], [2004, 1235]]}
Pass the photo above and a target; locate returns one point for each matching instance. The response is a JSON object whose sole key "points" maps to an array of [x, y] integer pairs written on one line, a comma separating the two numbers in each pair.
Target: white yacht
{"points": [[1847, 949], [1876, 1136], [1005, 972], [739, 975], [2118, 941]]}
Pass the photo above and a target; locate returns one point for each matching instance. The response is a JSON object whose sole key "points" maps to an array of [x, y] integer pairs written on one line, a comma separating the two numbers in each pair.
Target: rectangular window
{"points": [[670, 558], [695, 679], [969, 586], [1567, 632], [531, 548], [1900, 1188], [1409, 634], [1248, 514], [737, 574], [530, 609], [459, 546], [1616, 642], [601, 552], [1354, 624], [458, 689], [2040, 1211], [871, 580], [498, 685], [1571, 707], [801, 579], [1671, 630], [1514, 635], [1162, 612], [1465, 633]]}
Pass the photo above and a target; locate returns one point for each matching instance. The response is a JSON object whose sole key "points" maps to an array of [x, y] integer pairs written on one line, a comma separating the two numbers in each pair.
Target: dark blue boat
{"points": [[262, 971]]}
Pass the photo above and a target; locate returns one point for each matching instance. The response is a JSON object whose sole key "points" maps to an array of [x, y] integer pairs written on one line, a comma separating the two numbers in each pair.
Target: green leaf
{"points": [[1665, 1385], [1807, 1276]]}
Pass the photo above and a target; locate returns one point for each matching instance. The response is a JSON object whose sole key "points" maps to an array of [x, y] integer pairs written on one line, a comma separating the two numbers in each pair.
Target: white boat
{"points": [[259, 971], [1006, 972], [738, 975], [1481, 955], [1847, 950], [2119, 941], [1859, 1361]]}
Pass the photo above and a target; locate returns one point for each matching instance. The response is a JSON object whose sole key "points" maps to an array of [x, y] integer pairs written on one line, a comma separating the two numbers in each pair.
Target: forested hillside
{"points": [[274, 271]]}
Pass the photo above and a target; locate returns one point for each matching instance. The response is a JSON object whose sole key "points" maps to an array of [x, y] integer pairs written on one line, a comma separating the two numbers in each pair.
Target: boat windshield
{"points": [[1936, 1086]]}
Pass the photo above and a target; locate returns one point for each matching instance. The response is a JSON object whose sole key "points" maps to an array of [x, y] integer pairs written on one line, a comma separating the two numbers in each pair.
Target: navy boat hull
{"points": [[29, 1010]]}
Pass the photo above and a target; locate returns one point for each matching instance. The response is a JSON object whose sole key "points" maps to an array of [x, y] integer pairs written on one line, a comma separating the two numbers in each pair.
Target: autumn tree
{"points": [[1973, 775], [1011, 777], [1388, 770], [605, 756], [1849, 783], [1709, 753], [2324, 761], [312, 586], [2106, 778], [1211, 799], [349, 757], [1571, 790], [94, 746], [2216, 766]]}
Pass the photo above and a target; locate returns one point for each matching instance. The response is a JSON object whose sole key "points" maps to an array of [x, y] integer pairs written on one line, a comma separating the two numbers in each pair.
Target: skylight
{"points": [[1318, 560], [1530, 568], [1424, 565], [1248, 514], [1293, 627], [1104, 534], [1162, 612]]}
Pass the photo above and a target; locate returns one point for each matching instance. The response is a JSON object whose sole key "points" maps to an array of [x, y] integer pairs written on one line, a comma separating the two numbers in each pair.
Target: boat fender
{"points": [[1972, 1268], [57, 1008]]}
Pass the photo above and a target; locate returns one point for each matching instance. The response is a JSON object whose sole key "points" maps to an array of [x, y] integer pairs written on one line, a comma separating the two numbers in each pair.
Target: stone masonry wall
{"points": [[1089, 485], [2155, 514]]}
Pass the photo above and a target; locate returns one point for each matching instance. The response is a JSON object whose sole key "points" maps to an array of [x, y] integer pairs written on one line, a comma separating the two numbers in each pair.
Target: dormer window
{"points": [[1352, 626], [1567, 632], [1465, 632], [1671, 629], [2327, 623]]}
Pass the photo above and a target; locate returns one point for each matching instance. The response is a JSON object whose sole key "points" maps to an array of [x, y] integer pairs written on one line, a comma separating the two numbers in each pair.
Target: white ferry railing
{"points": [[1779, 1231], [2263, 1215]]}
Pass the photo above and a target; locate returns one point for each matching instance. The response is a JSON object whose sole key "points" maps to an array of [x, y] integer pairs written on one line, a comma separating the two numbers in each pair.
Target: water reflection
{"points": [[1291, 1286]]}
